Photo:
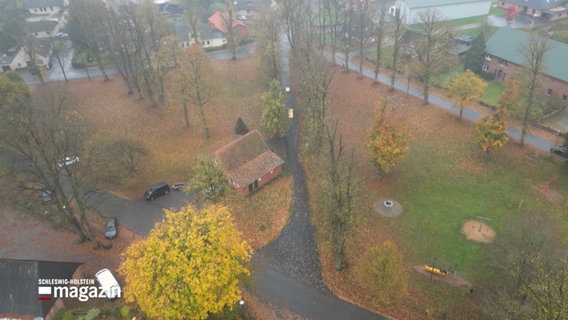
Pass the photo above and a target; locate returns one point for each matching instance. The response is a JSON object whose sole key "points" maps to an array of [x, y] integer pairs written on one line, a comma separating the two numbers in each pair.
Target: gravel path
{"points": [[288, 272]]}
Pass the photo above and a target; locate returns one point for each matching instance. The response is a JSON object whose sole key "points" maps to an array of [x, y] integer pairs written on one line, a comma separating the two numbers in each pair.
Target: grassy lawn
{"points": [[443, 80], [443, 181], [262, 216], [492, 93], [470, 20]]}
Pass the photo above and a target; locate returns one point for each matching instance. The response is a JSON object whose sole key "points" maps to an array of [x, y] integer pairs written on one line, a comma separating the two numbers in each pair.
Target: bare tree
{"points": [[294, 15], [57, 47], [85, 28], [348, 18], [332, 12], [528, 268], [382, 16], [337, 190], [314, 77], [43, 132], [120, 48], [433, 44], [364, 25], [534, 54], [195, 83], [398, 29], [31, 47], [267, 30]]}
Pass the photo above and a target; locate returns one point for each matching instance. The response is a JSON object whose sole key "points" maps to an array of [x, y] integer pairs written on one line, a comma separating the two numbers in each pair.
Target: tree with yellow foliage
{"points": [[383, 274], [188, 267], [492, 131], [466, 87], [387, 140]]}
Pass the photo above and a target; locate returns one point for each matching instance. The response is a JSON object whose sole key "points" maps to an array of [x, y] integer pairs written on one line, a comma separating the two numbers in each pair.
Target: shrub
{"points": [[383, 274], [487, 76], [124, 312], [240, 126]]}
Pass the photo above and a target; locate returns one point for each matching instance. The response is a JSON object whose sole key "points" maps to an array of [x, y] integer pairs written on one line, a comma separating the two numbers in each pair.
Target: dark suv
{"points": [[157, 190]]}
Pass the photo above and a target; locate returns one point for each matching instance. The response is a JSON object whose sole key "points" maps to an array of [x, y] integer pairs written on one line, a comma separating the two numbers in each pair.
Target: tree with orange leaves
{"points": [[387, 140], [492, 131]]}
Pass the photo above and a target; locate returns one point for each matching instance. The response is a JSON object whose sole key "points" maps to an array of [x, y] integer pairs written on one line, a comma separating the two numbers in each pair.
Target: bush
{"points": [[487, 76], [241, 127], [124, 312], [383, 274]]}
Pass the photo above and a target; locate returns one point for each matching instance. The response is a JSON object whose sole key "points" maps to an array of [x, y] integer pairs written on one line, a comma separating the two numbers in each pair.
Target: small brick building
{"points": [[249, 163], [504, 59]]}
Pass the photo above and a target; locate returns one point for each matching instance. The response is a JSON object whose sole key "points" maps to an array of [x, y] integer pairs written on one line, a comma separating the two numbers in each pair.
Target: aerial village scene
{"points": [[283, 159]]}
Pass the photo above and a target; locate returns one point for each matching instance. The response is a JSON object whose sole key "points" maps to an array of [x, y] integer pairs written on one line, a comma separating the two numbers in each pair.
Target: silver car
{"points": [[110, 232]]}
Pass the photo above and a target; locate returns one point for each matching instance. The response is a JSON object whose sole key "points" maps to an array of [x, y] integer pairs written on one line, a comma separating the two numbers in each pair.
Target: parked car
{"points": [[178, 186], [67, 161], [110, 231], [46, 196], [157, 190], [560, 150], [242, 17], [108, 283], [61, 35]]}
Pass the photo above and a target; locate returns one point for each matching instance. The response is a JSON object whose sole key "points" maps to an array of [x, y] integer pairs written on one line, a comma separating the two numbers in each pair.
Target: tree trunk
{"points": [[205, 125], [185, 114], [339, 244]]}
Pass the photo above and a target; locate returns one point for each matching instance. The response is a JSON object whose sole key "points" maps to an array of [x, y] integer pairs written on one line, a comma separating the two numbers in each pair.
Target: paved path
{"points": [[473, 115], [287, 271]]}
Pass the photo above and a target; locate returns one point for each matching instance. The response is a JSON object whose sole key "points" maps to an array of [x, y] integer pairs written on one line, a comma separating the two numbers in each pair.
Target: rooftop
{"points": [[507, 43], [247, 158]]}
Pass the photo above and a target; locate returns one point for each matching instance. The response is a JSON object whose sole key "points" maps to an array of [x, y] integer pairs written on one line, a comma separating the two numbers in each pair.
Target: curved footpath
{"points": [[287, 272]]}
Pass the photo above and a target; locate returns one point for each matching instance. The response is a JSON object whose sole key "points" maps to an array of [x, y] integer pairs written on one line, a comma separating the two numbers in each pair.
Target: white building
{"points": [[449, 9]]}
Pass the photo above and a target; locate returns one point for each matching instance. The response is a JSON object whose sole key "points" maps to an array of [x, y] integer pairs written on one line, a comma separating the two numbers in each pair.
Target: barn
{"points": [[449, 9]]}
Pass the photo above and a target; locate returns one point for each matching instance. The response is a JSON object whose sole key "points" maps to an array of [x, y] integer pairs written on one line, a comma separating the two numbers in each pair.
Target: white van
{"points": [[108, 283]]}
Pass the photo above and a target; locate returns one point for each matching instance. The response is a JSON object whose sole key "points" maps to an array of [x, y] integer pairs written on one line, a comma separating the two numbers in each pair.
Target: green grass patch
{"points": [[446, 185], [443, 80], [470, 20], [492, 93], [496, 11]]}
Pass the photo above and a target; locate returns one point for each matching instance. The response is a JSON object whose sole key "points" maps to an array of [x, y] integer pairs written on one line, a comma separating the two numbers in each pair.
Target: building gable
{"points": [[247, 158], [19, 279], [507, 44]]}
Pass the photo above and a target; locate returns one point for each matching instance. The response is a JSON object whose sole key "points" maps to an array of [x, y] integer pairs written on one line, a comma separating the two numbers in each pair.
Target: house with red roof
{"points": [[220, 21], [249, 163]]}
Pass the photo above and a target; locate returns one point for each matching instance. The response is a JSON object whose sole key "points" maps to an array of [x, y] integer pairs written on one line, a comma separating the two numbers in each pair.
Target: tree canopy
{"points": [[189, 266], [12, 87], [466, 87], [209, 179], [274, 111], [387, 140], [476, 54], [492, 131]]}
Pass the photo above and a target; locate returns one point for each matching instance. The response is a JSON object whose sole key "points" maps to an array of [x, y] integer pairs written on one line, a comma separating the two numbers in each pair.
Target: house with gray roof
{"points": [[207, 36], [449, 9], [19, 289], [550, 10], [504, 58]]}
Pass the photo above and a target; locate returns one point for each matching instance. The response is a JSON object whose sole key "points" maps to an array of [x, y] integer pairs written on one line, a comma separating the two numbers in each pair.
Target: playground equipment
{"points": [[545, 187], [438, 271]]}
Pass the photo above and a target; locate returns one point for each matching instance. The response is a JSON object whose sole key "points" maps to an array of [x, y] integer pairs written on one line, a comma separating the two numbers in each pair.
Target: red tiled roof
{"points": [[219, 19], [247, 158]]}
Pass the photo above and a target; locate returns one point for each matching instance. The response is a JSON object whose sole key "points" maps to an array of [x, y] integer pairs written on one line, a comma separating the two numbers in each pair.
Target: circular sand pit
{"points": [[476, 231], [388, 207]]}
